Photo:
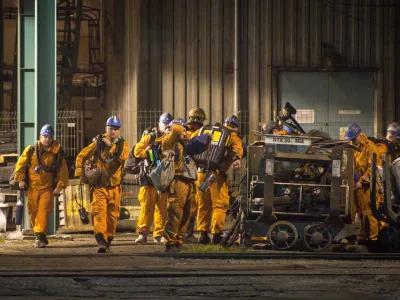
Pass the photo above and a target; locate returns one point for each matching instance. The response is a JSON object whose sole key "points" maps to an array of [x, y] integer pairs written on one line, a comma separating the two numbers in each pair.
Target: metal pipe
{"points": [[101, 17], [1, 55], [236, 59]]}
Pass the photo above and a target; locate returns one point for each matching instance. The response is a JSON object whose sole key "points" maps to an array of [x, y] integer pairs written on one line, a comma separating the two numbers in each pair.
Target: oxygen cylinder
{"points": [[19, 214], [208, 182], [201, 159]]}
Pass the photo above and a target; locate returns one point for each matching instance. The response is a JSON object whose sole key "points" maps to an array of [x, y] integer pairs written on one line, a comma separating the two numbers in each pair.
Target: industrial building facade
{"points": [[174, 55], [337, 61]]}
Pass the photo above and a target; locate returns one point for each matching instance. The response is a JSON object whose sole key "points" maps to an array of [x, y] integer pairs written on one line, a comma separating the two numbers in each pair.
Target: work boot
{"points": [[172, 248], [40, 241], [204, 238], [44, 239], [109, 241], [39, 244], [216, 239], [102, 249], [159, 239], [141, 239], [190, 228], [189, 239], [101, 242]]}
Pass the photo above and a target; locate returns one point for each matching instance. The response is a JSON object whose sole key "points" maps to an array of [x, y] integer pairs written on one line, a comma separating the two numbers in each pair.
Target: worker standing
{"points": [[180, 191], [108, 154], [362, 172], [196, 120], [391, 143], [153, 206], [44, 170], [214, 203]]}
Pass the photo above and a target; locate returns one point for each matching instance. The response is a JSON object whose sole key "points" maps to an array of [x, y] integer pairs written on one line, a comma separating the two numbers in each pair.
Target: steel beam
{"points": [[36, 73]]}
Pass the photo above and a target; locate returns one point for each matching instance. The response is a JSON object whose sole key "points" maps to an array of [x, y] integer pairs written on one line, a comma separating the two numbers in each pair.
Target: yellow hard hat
{"points": [[196, 115]]}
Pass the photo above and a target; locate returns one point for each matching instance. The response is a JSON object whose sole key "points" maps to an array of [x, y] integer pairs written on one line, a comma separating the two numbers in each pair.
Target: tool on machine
{"points": [[286, 114]]}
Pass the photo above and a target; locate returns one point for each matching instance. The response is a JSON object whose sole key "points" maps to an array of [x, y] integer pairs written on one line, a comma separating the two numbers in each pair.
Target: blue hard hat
{"points": [[165, 118], [287, 128], [232, 120], [47, 130], [352, 131], [178, 121], [394, 129], [113, 121]]}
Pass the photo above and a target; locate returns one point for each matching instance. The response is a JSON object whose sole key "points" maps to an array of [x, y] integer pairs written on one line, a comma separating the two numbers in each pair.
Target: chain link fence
{"points": [[8, 132], [145, 118], [69, 131], [8, 121]]}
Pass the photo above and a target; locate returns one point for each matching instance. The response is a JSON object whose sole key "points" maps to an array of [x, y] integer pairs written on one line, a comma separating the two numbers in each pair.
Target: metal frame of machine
{"points": [[262, 220]]}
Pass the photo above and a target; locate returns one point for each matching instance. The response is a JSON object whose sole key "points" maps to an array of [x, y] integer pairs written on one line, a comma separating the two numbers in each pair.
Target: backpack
{"points": [[189, 166], [51, 169], [133, 163], [164, 173]]}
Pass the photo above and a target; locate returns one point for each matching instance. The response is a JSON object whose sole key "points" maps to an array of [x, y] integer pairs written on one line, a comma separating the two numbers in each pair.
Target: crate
{"points": [[69, 203]]}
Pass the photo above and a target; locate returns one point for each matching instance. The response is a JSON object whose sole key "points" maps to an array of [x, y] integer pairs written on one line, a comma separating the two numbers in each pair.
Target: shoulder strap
{"points": [[30, 153], [100, 148], [37, 153], [56, 164]]}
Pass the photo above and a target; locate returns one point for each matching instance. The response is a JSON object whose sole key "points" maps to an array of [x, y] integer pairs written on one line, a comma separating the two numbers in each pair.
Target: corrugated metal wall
{"points": [[176, 54]]}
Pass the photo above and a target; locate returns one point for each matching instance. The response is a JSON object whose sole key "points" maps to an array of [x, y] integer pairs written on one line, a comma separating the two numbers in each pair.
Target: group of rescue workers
{"points": [[181, 207], [174, 209]]}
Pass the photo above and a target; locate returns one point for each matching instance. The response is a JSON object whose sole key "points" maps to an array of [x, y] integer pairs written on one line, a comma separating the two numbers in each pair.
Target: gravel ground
{"points": [[70, 267]]}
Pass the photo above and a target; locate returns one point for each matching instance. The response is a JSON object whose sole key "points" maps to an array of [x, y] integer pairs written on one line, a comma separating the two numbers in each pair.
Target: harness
{"points": [[100, 146], [56, 163]]}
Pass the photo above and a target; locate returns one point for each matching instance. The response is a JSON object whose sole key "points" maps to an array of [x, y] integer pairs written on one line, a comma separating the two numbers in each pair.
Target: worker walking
{"points": [[214, 203], [107, 154], [153, 206], [43, 169]]}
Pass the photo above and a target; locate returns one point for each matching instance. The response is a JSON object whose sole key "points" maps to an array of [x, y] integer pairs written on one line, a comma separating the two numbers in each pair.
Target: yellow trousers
{"points": [[153, 207], [180, 194], [369, 224], [213, 204], [106, 203], [40, 205]]}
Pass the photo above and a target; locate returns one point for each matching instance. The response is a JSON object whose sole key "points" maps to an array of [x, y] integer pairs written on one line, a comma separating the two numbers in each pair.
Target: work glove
{"points": [[107, 141], [57, 191], [358, 185], [236, 164], [22, 185]]}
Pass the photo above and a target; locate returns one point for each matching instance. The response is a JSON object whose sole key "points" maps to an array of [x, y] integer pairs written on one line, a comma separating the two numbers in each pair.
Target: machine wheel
{"points": [[282, 235], [316, 237]]}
